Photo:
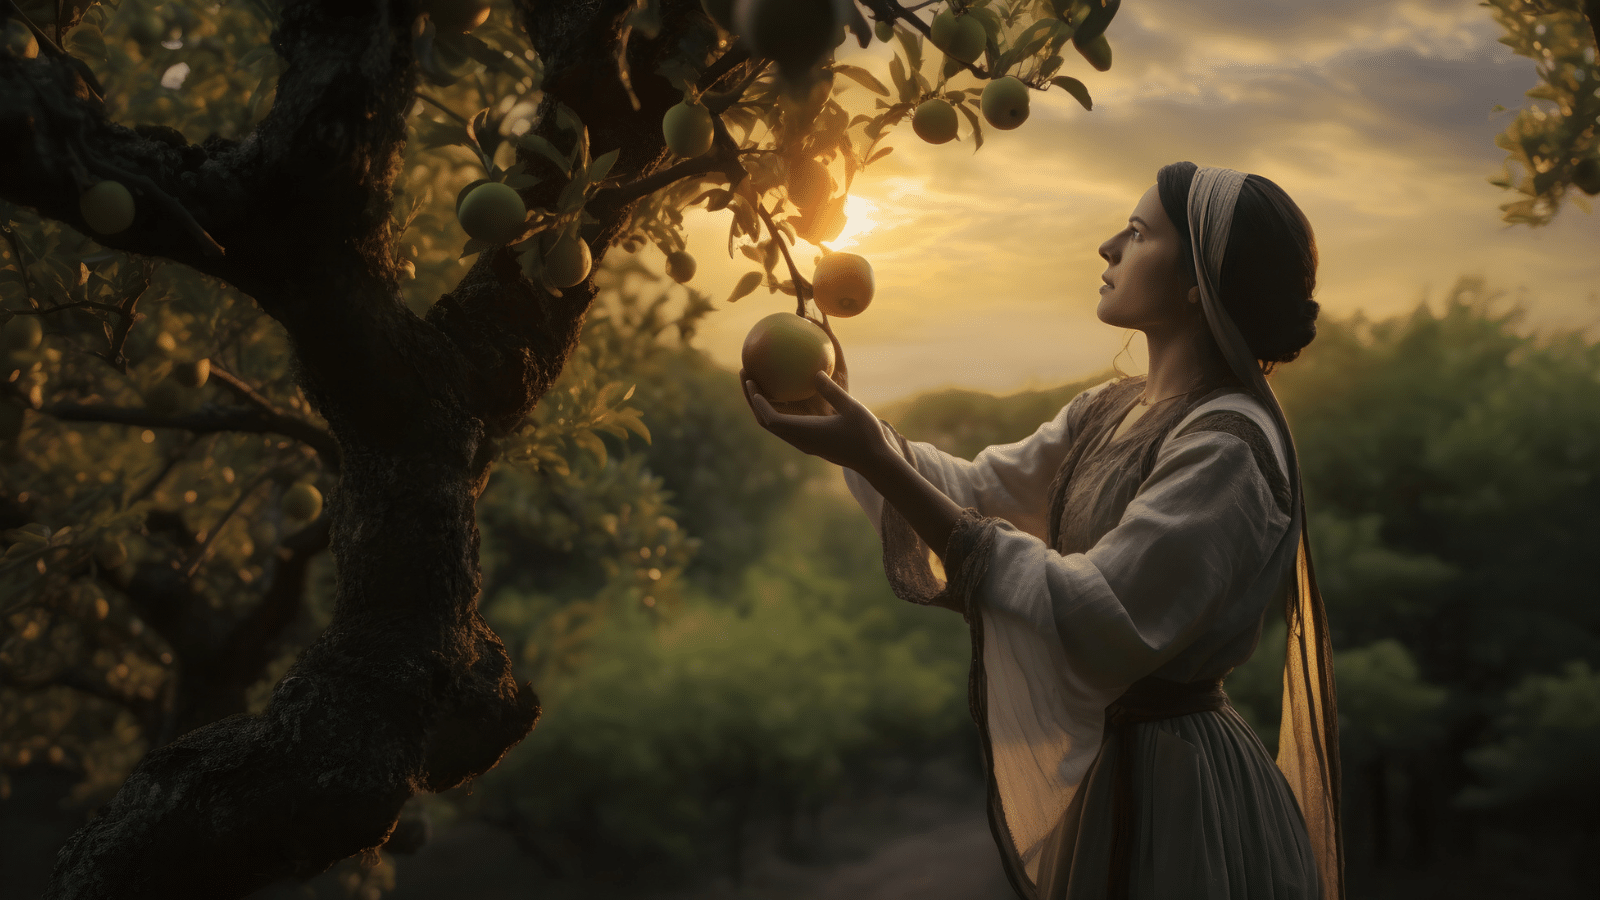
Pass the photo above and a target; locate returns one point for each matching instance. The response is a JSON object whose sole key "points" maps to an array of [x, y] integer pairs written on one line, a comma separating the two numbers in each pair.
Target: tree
{"points": [[1552, 145], [396, 404]]}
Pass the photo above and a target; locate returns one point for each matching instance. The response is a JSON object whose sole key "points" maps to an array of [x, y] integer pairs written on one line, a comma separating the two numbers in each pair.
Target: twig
{"points": [[624, 194], [896, 11], [204, 550], [725, 63], [801, 286], [174, 456], [445, 109], [208, 244]]}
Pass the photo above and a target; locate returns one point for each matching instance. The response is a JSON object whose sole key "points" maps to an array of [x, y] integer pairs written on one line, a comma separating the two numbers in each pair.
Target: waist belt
{"points": [[1150, 699]]}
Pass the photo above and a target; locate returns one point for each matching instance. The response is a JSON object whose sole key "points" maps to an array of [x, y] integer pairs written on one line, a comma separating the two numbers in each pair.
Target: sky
{"points": [[1378, 117]]}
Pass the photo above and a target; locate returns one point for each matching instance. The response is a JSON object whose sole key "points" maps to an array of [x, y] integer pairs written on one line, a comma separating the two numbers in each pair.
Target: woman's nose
{"points": [[1108, 250]]}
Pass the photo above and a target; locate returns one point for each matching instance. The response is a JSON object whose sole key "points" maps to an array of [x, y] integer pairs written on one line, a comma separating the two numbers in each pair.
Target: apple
{"points": [[809, 182], [19, 40], [302, 501], [680, 266], [493, 213], [796, 34], [107, 207], [934, 121], [567, 261], [687, 128], [192, 374], [884, 31], [22, 333], [1005, 103], [1097, 52], [459, 16], [842, 284], [960, 37], [783, 352]]}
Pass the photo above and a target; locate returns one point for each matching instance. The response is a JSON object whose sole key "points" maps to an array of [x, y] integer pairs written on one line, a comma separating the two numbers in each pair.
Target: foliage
{"points": [[679, 734], [1538, 764], [1553, 143]]}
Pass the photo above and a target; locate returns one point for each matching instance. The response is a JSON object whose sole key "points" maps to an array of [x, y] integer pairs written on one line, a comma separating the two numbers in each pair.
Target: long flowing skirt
{"points": [[1213, 818]]}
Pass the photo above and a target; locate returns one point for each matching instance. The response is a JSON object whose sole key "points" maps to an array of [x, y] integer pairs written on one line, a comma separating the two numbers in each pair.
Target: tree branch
{"points": [[209, 420]]}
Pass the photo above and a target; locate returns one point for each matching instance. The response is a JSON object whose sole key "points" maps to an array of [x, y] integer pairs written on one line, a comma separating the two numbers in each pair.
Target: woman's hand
{"points": [[844, 433]]}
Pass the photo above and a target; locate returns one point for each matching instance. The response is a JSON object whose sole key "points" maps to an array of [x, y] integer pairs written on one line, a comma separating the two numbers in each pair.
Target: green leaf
{"points": [[748, 282], [977, 130], [1074, 87], [862, 77], [86, 42], [601, 167], [591, 442], [533, 143]]}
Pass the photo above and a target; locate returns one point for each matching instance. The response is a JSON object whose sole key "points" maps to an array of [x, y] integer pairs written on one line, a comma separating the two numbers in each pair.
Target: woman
{"points": [[1116, 565]]}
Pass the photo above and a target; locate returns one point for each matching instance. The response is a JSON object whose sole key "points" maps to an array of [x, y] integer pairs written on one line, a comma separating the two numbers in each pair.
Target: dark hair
{"points": [[1269, 270]]}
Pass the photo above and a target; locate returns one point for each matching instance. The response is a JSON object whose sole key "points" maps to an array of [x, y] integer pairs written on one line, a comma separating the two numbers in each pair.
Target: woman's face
{"points": [[1147, 286]]}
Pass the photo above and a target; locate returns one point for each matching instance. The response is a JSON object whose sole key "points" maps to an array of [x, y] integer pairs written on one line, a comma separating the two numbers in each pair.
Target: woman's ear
{"points": [[1194, 294]]}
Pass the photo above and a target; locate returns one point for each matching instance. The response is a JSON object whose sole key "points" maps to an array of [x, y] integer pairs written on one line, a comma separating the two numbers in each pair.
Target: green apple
{"points": [[1005, 103], [934, 121], [302, 501], [960, 37], [884, 31], [809, 182], [18, 40], [192, 374], [493, 213], [688, 130], [567, 261], [107, 207], [783, 352], [680, 266]]}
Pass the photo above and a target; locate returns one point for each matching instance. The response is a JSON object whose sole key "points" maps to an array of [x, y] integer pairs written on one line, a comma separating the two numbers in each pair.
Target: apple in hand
{"points": [[783, 353]]}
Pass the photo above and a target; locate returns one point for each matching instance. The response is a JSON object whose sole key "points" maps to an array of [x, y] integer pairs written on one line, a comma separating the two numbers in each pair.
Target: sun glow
{"points": [[858, 220]]}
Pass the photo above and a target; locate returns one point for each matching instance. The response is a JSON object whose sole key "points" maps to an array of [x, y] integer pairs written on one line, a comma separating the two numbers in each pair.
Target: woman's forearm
{"points": [[931, 514]]}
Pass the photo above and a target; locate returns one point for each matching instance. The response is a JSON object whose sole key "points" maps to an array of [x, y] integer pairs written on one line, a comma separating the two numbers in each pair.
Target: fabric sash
{"points": [[1308, 738]]}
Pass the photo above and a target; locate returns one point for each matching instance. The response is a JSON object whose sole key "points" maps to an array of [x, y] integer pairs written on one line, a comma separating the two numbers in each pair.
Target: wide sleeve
{"points": [[1006, 481], [1060, 637]]}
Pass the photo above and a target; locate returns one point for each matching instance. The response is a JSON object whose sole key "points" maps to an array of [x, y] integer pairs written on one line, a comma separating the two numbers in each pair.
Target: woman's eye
{"points": [[1136, 235]]}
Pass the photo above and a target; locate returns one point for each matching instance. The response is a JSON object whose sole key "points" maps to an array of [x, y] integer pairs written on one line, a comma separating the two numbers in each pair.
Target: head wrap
{"points": [[1308, 738]]}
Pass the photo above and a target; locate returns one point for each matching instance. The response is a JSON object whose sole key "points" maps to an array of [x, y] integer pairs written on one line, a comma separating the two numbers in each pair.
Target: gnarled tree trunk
{"points": [[408, 689]]}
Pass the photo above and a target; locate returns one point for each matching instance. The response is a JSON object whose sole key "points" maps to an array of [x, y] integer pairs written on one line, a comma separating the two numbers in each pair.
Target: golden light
{"points": [[858, 221]]}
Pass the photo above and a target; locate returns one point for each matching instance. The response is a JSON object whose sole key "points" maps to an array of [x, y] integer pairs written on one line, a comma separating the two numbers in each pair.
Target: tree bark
{"points": [[408, 689]]}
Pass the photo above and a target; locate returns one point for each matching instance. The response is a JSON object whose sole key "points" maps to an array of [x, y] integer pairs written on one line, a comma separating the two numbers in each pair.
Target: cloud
{"points": [[1376, 117]]}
